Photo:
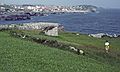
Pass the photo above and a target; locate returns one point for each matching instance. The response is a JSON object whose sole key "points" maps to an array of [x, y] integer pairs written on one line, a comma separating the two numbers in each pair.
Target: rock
{"points": [[81, 51], [118, 35], [109, 35], [115, 35], [72, 48], [23, 36], [77, 34], [99, 35]]}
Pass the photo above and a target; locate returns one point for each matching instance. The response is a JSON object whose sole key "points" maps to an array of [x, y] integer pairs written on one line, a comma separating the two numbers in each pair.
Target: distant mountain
{"points": [[90, 8]]}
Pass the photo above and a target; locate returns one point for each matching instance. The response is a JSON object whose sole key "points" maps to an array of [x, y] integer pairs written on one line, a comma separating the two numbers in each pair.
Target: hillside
{"points": [[18, 55], [86, 7]]}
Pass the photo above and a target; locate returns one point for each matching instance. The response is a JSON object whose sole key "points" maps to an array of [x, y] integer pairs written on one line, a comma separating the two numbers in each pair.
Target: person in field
{"points": [[107, 46]]}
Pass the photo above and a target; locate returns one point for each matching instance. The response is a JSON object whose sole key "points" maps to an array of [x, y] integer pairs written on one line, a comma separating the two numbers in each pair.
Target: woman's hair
{"points": [[106, 40]]}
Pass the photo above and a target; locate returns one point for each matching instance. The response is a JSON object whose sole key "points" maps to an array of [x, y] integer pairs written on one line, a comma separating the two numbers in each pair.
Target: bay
{"points": [[107, 21]]}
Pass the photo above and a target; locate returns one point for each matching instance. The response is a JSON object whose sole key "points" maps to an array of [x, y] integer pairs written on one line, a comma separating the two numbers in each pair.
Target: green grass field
{"points": [[18, 55], [81, 39]]}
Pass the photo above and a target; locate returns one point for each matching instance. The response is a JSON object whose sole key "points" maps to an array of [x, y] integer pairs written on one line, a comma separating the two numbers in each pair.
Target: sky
{"points": [[99, 3]]}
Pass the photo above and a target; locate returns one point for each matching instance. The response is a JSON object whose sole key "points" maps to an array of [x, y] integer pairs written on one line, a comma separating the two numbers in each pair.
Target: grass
{"points": [[80, 39], [17, 55]]}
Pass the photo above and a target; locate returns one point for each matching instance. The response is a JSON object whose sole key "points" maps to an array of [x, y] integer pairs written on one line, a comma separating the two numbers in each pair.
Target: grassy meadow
{"points": [[18, 55]]}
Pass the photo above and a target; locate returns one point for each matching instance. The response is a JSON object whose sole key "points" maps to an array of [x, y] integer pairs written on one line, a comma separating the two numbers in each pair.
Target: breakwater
{"points": [[29, 26]]}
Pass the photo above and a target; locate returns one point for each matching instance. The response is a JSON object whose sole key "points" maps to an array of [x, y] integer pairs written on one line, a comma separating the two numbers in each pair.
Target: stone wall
{"points": [[29, 26]]}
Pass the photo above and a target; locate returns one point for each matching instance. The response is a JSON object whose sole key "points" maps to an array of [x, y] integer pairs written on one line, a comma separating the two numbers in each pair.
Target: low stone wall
{"points": [[52, 43], [28, 26]]}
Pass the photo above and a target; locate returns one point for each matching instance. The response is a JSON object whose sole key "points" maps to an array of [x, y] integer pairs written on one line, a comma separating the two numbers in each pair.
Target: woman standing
{"points": [[107, 46]]}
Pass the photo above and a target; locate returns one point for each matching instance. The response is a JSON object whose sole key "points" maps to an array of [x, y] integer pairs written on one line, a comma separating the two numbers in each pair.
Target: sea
{"points": [[104, 21]]}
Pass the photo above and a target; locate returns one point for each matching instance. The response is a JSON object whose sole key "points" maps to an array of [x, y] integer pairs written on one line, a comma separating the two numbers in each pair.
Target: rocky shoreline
{"points": [[102, 35]]}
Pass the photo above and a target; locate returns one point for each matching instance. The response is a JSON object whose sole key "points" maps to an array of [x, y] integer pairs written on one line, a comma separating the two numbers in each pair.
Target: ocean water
{"points": [[107, 21]]}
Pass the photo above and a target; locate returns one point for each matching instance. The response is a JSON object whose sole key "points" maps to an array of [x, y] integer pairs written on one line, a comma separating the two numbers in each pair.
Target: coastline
{"points": [[93, 23], [42, 25]]}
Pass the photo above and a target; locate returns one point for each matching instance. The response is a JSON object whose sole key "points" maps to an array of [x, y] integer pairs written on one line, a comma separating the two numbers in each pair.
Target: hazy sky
{"points": [[100, 3]]}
